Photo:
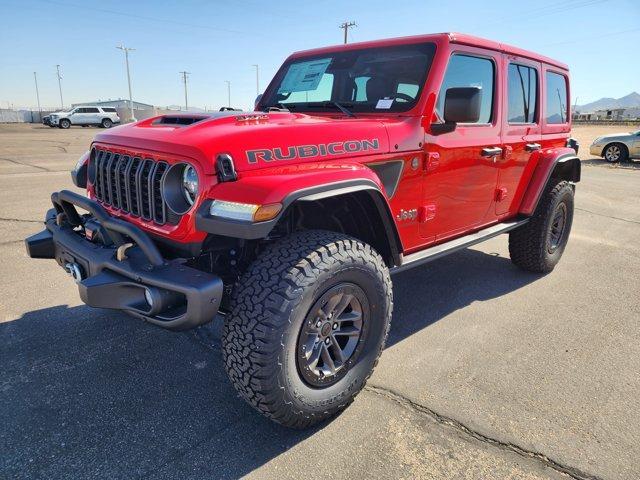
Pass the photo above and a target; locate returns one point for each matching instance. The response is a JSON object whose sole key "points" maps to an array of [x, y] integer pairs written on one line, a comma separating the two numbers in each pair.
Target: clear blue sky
{"points": [[218, 41]]}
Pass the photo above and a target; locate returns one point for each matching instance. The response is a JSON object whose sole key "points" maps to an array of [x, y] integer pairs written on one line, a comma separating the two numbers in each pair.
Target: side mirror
{"points": [[461, 105], [258, 98]]}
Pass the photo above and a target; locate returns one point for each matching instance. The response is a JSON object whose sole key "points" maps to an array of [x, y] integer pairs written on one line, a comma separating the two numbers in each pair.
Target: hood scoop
{"points": [[178, 120]]}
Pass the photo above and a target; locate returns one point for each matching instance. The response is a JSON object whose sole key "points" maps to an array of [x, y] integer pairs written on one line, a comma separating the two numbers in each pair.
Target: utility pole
{"points": [[35, 77], [60, 86], [257, 80], [126, 59], [228, 93], [184, 79], [345, 26]]}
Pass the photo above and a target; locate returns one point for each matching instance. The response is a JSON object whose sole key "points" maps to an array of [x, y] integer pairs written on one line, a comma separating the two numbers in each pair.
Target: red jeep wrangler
{"points": [[359, 161]]}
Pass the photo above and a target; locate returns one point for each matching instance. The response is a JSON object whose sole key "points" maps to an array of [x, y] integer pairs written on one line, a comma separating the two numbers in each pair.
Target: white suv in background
{"points": [[85, 115]]}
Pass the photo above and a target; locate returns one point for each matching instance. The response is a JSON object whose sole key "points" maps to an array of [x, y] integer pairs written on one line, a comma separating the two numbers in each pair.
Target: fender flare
{"points": [[553, 163], [255, 231]]}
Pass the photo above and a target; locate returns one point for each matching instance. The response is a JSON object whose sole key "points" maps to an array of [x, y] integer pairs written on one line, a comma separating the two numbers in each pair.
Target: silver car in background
{"points": [[617, 147]]}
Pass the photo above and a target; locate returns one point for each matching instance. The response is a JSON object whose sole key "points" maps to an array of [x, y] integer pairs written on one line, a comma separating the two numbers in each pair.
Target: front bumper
{"points": [[595, 150], [181, 297]]}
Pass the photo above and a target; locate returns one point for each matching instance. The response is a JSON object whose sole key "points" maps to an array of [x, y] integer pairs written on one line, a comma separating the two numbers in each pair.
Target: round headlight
{"points": [[190, 184]]}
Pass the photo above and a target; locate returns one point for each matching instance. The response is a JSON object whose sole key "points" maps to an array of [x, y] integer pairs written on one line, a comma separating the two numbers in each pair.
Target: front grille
{"points": [[132, 184]]}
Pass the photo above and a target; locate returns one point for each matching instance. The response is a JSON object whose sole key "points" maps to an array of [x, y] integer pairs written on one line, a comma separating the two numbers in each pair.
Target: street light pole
{"points": [[184, 79], [60, 86], [126, 59], [35, 77], [257, 80], [228, 92]]}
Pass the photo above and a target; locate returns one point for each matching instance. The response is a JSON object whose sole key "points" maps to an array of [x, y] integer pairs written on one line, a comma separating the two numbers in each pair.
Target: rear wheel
{"points": [[106, 123], [308, 322], [538, 245], [64, 123], [616, 152]]}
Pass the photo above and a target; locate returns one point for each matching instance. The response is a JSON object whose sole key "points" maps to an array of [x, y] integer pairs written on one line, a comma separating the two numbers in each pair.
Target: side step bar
{"points": [[437, 251]]}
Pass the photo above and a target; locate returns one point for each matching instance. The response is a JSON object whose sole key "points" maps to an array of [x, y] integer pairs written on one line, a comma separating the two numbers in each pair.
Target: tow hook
{"points": [[74, 270], [121, 253]]}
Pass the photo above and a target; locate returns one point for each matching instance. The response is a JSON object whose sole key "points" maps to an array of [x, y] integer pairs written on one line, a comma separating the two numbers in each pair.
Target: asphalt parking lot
{"points": [[489, 372]]}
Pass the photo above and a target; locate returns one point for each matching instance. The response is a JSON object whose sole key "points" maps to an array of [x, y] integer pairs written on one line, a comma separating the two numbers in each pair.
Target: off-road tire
{"points": [[622, 153], [269, 308], [106, 123], [530, 245], [64, 123]]}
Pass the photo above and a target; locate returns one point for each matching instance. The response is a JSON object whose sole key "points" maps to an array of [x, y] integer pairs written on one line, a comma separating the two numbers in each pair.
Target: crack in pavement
{"points": [[607, 216], [451, 422], [16, 162], [5, 219]]}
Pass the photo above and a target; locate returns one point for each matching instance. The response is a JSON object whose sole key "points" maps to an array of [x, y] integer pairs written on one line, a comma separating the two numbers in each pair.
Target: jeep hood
{"points": [[256, 140]]}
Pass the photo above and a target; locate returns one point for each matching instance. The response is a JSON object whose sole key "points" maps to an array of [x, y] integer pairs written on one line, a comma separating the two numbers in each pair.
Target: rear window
{"points": [[109, 109], [556, 102], [523, 92]]}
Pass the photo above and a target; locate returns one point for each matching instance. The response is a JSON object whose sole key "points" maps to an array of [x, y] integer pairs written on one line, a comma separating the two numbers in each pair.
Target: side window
{"points": [[92, 110], [557, 107], [109, 109], [77, 110], [468, 71], [523, 92]]}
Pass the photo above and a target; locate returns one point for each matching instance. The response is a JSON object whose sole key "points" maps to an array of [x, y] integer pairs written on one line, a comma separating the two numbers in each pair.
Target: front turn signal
{"points": [[267, 212]]}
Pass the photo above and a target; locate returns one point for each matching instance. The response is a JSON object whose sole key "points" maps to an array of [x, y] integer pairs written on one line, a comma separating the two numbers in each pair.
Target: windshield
{"points": [[381, 79]]}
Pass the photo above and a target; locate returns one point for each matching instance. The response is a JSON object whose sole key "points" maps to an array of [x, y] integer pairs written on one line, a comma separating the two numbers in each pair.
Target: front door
{"points": [[461, 177], [521, 134]]}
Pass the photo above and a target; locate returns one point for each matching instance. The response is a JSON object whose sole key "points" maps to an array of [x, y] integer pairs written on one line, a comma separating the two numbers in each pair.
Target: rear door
{"points": [[521, 135], [460, 182], [92, 115]]}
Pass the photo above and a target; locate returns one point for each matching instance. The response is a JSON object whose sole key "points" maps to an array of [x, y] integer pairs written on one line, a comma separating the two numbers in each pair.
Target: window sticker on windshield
{"points": [[384, 103], [304, 76]]}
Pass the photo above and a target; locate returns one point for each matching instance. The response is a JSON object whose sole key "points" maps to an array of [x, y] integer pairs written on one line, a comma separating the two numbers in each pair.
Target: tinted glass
{"points": [[92, 110], [387, 79], [556, 98], [78, 110], [467, 71], [109, 109], [522, 90]]}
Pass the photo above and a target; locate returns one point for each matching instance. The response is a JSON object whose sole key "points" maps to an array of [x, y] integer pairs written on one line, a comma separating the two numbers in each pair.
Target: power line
{"points": [[184, 79], [345, 26]]}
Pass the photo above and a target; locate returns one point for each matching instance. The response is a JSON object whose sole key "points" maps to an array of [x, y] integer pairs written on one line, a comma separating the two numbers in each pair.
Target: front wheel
{"points": [[615, 153], [308, 322], [538, 245], [64, 123]]}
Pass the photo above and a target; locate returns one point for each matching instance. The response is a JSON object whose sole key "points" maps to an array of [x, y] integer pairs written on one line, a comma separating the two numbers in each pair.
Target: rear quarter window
{"points": [[557, 108], [109, 109]]}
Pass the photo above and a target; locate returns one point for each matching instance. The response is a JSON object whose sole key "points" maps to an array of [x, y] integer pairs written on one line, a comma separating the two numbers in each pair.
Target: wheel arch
{"points": [[553, 164], [323, 206]]}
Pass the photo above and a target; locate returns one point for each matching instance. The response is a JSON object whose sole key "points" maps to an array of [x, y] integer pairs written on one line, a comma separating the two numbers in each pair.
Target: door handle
{"points": [[491, 152], [532, 147]]}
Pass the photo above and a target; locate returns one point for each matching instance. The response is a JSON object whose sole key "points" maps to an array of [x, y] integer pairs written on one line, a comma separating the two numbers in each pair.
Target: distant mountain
{"points": [[628, 101]]}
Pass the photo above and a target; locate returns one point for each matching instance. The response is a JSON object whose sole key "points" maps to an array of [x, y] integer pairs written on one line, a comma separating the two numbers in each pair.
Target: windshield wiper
{"points": [[331, 103], [278, 107]]}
